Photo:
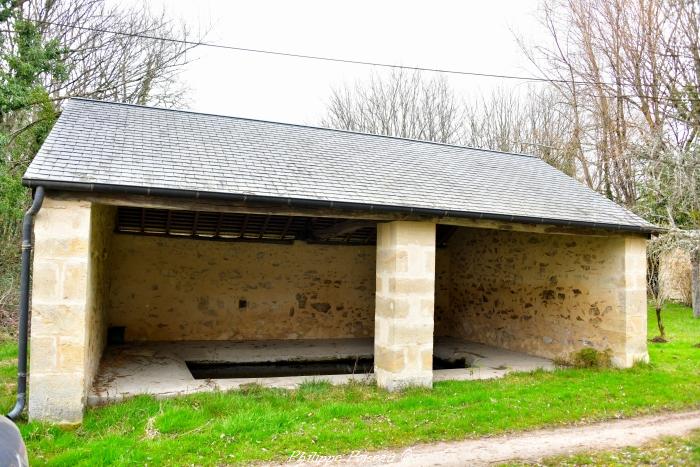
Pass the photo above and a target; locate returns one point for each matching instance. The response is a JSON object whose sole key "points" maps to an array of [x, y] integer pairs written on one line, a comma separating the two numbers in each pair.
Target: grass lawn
{"points": [[668, 451], [265, 424]]}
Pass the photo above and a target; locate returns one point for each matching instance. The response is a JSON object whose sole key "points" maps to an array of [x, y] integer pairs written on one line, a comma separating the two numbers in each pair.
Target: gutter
{"points": [[315, 204], [27, 227]]}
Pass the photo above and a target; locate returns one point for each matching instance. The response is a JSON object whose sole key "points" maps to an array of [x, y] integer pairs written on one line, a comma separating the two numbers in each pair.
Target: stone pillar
{"points": [[634, 301], [405, 297], [60, 332]]}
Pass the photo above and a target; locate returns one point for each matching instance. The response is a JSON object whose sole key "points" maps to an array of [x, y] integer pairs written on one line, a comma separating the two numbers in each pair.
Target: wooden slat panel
{"points": [[211, 225]]}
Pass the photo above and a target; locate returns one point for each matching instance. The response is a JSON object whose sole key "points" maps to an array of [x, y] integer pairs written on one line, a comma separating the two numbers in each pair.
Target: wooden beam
{"points": [[244, 226], [195, 224], [286, 227], [341, 229], [247, 208], [264, 226], [218, 224], [167, 221]]}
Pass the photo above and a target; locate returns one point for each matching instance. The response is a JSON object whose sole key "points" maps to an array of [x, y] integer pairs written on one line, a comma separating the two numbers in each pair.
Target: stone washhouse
{"points": [[171, 243]]}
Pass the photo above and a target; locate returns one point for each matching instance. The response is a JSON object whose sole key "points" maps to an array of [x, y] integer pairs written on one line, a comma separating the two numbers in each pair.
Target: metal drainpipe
{"points": [[27, 227]]}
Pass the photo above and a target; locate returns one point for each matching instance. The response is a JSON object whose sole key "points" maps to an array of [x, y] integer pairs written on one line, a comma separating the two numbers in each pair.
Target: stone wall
{"points": [[67, 322], [101, 226], [547, 295], [182, 289], [442, 290], [675, 274]]}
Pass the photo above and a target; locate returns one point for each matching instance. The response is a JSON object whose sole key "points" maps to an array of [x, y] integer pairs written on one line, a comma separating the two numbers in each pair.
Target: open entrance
{"points": [[208, 300], [545, 292], [189, 275]]}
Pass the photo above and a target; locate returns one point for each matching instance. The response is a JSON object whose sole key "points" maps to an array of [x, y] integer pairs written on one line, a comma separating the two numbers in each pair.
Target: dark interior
{"points": [[340, 366], [267, 228]]}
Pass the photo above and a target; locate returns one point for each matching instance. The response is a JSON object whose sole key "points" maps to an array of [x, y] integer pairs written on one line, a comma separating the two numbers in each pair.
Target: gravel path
{"points": [[531, 445]]}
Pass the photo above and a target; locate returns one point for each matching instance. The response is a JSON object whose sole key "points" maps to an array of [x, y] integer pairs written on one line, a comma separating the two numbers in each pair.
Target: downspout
{"points": [[27, 227]]}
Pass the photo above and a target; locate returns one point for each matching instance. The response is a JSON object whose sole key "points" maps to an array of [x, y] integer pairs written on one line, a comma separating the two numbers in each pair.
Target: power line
{"points": [[321, 58], [348, 61]]}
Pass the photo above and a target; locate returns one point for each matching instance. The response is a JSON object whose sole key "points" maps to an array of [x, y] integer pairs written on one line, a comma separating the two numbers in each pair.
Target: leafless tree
{"points": [[662, 280], [406, 104], [681, 67], [658, 277], [671, 196], [629, 71], [111, 51], [401, 104], [536, 122]]}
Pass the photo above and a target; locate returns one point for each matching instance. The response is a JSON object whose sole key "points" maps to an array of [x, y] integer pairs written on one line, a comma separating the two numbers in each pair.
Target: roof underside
{"points": [[262, 228], [117, 145]]}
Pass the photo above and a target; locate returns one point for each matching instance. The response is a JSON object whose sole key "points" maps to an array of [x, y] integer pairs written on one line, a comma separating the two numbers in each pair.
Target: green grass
{"points": [[264, 424], [683, 450]]}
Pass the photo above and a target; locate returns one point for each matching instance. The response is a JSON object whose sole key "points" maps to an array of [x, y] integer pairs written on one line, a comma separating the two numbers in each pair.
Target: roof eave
{"points": [[314, 203]]}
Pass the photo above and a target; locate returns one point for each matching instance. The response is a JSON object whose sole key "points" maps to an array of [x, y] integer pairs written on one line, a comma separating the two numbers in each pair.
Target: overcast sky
{"points": [[467, 35]]}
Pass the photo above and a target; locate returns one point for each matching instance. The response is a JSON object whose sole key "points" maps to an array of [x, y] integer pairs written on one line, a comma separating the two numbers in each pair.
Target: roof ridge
{"points": [[299, 125]]}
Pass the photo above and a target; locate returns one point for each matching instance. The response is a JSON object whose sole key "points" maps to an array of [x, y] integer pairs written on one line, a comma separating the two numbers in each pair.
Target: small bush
{"points": [[587, 357]]}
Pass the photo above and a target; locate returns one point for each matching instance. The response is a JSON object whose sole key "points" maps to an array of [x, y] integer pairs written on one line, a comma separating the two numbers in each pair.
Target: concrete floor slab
{"points": [[159, 368]]}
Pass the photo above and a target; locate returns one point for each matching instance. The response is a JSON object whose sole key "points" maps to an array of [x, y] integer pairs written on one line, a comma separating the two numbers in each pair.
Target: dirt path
{"points": [[531, 445]]}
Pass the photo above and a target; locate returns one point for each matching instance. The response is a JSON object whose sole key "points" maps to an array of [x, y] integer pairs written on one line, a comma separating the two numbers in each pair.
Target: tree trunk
{"points": [[695, 282], [662, 331]]}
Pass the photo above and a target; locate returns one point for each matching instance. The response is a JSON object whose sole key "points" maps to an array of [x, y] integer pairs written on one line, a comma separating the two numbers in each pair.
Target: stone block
{"points": [[392, 259], [392, 307], [43, 354], [45, 280], [71, 354], [75, 281], [73, 221], [406, 233], [51, 247], [405, 285], [427, 359], [410, 333], [51, 319], [391, 360], [394, 382], [57, 398]]}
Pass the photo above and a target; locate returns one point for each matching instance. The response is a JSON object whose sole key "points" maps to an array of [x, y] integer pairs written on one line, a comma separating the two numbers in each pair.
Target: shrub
{"points": [[588, 357]]}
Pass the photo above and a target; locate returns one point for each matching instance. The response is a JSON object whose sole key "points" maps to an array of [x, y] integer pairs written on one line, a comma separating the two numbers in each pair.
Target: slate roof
{"points": [[105, 143]]}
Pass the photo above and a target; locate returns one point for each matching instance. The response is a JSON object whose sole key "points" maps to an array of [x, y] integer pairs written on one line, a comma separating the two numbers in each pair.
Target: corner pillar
{"points": [[404, 309], [59, 319], [634, 303]]}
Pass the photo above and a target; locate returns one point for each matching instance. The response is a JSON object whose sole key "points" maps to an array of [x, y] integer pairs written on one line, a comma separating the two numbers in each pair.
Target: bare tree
{"points": [[681, 67], [670, 195], [536, 122], [401, 104], [662, 280], [105, 51], [406, 104], [676, 239], [108, 52], [113, 52], [658, 278], [629, 71]]}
